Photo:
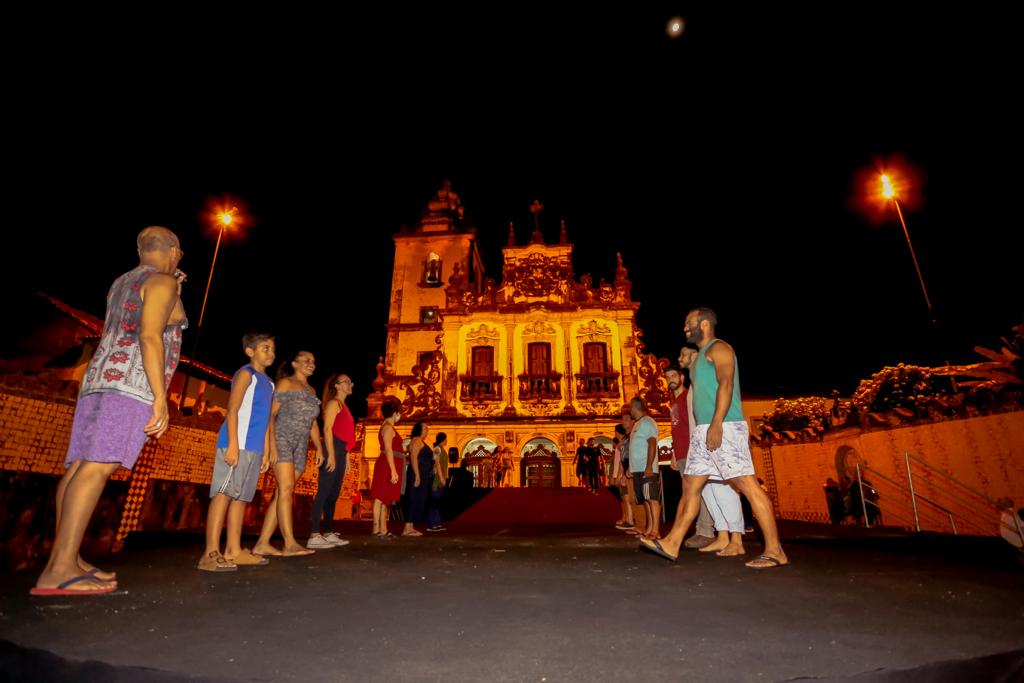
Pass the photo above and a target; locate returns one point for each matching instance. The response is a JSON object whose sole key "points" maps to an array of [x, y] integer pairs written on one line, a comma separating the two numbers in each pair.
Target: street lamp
{"points": [[224, 220], [890, 193]]}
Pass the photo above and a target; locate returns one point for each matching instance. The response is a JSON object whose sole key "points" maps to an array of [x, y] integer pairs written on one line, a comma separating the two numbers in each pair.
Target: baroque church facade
{"points": [[532, 363]]}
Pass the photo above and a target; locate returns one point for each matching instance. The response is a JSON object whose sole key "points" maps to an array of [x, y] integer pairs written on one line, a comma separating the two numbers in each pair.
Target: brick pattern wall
{"points": [[985, 453], [34, 436]]}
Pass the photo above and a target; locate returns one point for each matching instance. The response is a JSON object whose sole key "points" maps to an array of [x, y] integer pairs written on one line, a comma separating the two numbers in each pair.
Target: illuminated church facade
{"points": [[533, 362]]}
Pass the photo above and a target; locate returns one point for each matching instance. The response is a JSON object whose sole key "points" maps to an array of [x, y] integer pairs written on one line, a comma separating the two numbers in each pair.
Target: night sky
{"points": [[722, 165]]}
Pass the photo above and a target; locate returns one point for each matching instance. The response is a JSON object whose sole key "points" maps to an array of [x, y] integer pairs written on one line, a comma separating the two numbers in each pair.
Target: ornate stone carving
{"points": [[620, 270], [653, 388], [444, 211], [484, 335], [481, 409], [422, 398], [608, 408], [379, 383], [539, 328], [541, 409], [536, 275], [592, 330]]}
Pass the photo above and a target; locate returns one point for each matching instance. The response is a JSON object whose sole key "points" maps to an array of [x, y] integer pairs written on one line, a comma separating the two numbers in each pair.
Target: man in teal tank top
{"points": [[720, 444]]}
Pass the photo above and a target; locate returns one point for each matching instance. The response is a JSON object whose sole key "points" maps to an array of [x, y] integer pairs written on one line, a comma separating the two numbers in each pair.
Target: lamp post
{"points": [[225, 219], [889, 193]]}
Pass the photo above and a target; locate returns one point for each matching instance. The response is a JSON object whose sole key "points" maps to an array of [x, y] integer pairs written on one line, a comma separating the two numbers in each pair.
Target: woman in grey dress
{"points": [[292, 425]]}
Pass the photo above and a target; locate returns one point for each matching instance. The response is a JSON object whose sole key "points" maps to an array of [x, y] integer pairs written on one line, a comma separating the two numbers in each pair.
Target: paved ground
{"points": [[571, 604]]}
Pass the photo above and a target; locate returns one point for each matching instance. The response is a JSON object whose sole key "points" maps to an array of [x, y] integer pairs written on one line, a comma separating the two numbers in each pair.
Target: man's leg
{"points": [[655, 512], [81, 493], [705, 520], [629, 498], [233, 545], [61, 491], [692, 487], [705, 532], [762, 506], [728, 501], [708, 502], [215, 522]]}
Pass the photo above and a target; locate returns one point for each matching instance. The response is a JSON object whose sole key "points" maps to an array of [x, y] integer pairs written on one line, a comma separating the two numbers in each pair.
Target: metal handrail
{"points": [[913, 499], [907, 457], [953, 479], [917, 520], [974, 504]]}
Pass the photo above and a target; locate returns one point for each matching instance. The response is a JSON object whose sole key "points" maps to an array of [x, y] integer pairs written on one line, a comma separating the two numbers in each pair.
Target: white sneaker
{"points": [[318, 542], [335, 540]]}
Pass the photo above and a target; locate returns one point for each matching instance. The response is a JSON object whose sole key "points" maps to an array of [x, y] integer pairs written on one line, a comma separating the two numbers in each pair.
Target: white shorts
{"points": [[730, 460]]}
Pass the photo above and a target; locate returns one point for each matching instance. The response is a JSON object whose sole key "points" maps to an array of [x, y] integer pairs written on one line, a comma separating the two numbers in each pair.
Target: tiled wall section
{"points": [[985, 453], [34, 438]]}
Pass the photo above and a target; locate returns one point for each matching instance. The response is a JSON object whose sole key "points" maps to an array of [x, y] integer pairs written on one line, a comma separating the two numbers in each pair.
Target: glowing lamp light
{"points": [[674, 27]]}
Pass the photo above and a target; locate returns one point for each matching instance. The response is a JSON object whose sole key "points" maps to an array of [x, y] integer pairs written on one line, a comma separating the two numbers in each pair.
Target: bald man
{"points": [[122, 403]]}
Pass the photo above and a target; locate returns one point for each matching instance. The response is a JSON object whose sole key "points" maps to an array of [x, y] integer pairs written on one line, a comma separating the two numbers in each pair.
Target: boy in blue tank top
{"points": [[242, 455], [720, 443]]}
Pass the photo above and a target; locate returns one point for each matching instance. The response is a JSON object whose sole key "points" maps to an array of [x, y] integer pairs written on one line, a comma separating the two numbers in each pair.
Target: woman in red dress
{"points": [[385, 487]]}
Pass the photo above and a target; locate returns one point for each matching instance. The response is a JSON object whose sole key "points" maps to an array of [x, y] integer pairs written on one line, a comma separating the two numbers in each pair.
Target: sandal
{"points": [[215, 562]]}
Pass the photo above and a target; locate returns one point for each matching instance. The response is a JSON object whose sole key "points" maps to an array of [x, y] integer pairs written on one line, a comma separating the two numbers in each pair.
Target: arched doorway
{"points": [[540, 466], [478, 458]]}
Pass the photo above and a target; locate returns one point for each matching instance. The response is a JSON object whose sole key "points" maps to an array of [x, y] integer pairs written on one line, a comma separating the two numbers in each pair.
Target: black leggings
{"points": [[328, 487]]}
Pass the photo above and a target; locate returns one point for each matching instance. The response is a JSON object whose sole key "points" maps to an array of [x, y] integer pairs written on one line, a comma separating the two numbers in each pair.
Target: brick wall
{"points": [[34, 434], [985, 453]]}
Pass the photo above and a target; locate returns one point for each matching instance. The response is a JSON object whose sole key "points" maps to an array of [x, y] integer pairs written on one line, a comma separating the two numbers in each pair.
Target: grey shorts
{"points": [[296, 452], [732, 459], [238, 482], [646, 488]]}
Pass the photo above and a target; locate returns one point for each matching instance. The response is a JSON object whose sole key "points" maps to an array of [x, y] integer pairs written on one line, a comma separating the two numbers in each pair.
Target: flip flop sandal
{"points": [[96, 570], [765, 558], [655, 547], [62, 588]]}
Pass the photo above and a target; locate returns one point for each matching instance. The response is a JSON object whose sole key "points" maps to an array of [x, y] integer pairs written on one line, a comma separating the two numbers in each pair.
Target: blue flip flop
{"points": [[62, 589]]}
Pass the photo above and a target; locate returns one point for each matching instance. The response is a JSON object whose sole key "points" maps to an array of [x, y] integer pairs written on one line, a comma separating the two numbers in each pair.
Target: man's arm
{"points": [[239, 385], [159, 295], [722, 355], [652, 456]]}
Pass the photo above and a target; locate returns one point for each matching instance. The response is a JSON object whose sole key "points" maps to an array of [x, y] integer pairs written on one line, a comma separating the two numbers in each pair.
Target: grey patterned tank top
{"points": [[295, 418], [117, 364]]}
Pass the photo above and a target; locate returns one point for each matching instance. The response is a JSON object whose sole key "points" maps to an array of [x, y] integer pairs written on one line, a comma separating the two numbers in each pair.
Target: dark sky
{"points": [[721, 165]]}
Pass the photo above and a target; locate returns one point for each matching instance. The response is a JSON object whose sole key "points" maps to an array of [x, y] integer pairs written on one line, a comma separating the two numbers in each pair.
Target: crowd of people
{"points": [[269, 425], [711, 448]]}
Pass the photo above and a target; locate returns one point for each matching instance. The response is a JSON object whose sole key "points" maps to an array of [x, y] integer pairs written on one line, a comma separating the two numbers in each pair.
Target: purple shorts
{"points": [[108, 428]]}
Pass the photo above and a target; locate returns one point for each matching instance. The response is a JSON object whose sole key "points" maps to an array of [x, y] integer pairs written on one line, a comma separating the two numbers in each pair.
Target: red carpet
{"points": [[533, 511]]}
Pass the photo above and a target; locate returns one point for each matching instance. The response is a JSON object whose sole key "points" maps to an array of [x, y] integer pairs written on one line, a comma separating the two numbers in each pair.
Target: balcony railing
{"points": [[540, 387], [481, 387], [597, 384]]}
